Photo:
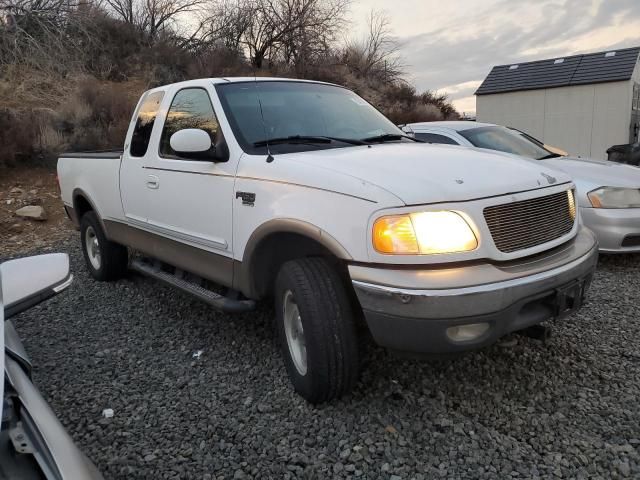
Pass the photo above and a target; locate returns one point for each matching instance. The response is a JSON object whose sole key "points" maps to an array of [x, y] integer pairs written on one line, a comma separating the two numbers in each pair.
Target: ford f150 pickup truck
{"points": [[241, 189]]}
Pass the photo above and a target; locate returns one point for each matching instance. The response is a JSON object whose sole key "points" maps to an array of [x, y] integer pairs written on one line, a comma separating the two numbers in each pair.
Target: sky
{"points": [[450, 46]]}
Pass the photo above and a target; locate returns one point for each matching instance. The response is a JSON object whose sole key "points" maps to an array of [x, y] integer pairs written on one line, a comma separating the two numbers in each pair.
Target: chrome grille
{"points": [[528, 223]]}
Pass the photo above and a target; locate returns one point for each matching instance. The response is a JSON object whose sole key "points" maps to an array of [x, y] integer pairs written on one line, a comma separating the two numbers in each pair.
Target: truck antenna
{"points": [[264, 124]]}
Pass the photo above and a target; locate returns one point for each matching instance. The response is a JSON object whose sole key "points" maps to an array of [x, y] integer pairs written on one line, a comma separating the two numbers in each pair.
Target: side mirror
{"points": [[31, 280], [190, 140], [195, 144]]}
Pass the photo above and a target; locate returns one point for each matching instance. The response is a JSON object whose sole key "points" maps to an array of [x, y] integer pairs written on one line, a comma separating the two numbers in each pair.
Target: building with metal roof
{"points": [[583, 104]]}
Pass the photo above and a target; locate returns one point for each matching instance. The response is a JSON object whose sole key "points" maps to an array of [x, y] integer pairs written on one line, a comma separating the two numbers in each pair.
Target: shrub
{"points": [[97, 115], [50, 142], [113, 45], [18, 134], [218, 61], [400, 114]]}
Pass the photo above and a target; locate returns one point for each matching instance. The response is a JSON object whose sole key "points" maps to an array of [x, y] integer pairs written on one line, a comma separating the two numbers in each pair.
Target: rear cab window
{"points": [[146, 117]]}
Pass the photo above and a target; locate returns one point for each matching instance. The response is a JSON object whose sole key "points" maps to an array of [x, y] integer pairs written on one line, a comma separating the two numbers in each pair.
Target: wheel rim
{"points": [[294, 332], [93, 247]]}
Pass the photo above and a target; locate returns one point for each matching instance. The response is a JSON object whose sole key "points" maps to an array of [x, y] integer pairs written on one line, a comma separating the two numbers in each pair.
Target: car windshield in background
{"points": [[300, 116], [505, 140]]}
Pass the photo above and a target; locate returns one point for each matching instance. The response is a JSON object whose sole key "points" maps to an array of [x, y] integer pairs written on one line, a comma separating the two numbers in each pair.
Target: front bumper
{"points": [[416, 310], [617, 229]]}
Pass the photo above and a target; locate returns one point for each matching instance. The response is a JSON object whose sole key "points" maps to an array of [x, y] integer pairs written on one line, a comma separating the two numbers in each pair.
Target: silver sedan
{"points": [[608, 193]]}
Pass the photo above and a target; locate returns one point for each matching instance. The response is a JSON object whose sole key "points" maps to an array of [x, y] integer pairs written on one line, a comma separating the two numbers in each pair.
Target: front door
{"points": [[190, 200]]}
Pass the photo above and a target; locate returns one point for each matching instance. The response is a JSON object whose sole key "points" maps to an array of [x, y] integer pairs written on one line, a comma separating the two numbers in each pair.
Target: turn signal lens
{"points": [[572, 204], [395, 234], [423, 233]]}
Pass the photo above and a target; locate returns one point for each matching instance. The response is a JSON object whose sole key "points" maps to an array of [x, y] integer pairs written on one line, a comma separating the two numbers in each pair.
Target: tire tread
{"points": [[115, 257], [321, 296]]}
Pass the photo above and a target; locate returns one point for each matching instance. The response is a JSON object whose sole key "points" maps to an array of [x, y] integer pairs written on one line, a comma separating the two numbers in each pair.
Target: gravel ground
{"points": [[567, 409]]}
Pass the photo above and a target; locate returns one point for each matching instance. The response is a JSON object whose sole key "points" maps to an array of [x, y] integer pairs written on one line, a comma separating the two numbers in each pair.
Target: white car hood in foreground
{"points": [[599, 173], [420, 174]]}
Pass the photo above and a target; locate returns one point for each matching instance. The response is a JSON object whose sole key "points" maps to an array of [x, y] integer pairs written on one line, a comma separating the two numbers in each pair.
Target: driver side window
{"points": [[190, 108]]}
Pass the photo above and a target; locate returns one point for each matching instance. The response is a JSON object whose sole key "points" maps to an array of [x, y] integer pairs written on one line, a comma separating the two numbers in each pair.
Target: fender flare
{"points": [[243, 280], [78, 192]]}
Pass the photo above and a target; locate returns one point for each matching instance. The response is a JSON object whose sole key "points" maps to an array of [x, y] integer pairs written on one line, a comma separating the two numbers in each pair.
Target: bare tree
{"points": [[315, 37], [225, 22], [129, 11], [292, 28], [35, 32], [162, 14], [287, 31], [151, 16], [377, 55]]}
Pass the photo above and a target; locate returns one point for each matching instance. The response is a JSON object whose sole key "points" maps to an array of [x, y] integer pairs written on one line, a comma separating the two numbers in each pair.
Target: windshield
{"points": [[505, 140], [299, 109]]}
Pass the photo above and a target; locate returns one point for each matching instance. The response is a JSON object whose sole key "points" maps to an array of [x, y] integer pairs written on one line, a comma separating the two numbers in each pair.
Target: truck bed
{"points": [[96, 173]]}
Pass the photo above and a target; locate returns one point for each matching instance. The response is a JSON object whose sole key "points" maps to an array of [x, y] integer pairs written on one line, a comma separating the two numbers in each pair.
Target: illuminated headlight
{"points": [[614, 197], [423, 233]]}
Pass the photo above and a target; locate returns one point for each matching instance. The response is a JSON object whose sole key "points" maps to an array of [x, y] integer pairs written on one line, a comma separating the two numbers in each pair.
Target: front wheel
{"points": [[316, 329]]}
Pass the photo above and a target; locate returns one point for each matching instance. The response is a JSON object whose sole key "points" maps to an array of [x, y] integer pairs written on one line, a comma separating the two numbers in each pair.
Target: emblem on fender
{"points": [[248, 198]]}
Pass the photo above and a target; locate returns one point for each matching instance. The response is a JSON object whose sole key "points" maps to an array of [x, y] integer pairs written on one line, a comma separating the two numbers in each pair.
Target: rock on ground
{"points": [[34, 212]]}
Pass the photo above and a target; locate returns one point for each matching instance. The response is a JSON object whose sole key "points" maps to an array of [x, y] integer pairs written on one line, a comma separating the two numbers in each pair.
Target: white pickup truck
{"points": [[241, 189]]}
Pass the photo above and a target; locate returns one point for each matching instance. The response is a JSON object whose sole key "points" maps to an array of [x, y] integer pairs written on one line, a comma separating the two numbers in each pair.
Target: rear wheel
{"points": [[316, 329], [105, 260]]}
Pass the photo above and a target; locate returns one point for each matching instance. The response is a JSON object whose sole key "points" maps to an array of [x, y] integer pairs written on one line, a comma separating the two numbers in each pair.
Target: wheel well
{"points": [[81, 205], [278, 248]]}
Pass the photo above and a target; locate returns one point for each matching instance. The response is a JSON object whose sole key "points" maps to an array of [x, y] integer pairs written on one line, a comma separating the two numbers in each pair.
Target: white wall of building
{"points": [[635, 79], [584, 120], [636, 73]]}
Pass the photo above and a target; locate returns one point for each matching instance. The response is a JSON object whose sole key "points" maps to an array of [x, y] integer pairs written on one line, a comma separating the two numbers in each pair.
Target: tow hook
{"points": [[537, 332]]}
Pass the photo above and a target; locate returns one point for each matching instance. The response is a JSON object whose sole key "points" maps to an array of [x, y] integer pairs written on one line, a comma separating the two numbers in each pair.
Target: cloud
{"points": [[450, 47]]}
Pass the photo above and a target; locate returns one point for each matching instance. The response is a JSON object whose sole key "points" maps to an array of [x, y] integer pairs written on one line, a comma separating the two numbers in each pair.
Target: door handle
{"points": [[153, 182]]}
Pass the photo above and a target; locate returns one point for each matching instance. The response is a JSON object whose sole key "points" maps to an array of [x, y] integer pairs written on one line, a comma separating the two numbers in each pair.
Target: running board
{"points": [[214, 299]]}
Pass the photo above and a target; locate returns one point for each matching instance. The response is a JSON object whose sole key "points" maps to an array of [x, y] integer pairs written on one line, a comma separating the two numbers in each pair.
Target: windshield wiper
{"points": [[295, 139], [390, 137], [352, 141], [551, 155]]}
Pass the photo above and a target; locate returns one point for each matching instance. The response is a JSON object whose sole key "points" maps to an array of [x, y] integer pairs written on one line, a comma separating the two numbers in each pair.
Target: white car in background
{"points": [[608, 192]]}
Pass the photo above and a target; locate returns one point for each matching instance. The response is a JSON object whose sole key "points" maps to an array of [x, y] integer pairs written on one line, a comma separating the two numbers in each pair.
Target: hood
{"points": [[599, 173], [420, 174]]}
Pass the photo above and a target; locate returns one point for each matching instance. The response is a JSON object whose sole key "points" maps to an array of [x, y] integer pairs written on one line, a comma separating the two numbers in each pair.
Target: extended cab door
{"points": [[186, 199], [133, 174]]}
